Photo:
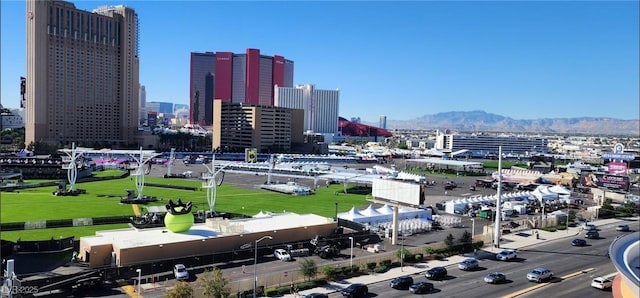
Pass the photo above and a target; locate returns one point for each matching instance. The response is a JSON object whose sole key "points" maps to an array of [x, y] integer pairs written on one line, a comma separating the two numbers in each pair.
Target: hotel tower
{"points": [[82, 78]]}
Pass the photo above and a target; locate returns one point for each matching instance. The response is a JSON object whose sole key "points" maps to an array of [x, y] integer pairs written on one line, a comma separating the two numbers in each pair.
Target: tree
{"points": [[404, 254], [180, 290], [465, 239], [214, 284], [449, 241], [606, 211], [309, 269]]}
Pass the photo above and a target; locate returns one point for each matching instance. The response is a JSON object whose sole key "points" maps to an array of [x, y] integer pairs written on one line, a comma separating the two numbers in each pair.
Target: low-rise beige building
{"points": [[237, 126]]}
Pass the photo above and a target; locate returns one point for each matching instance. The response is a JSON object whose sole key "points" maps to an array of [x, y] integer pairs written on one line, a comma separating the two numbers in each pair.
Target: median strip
{"points": [[540, 285]]}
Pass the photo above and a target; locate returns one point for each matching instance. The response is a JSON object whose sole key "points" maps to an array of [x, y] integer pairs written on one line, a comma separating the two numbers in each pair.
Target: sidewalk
{"points": [[516, 240]]}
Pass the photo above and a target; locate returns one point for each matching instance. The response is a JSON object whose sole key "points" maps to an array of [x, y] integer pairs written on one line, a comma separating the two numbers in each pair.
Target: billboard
{"points": [[398, 191], [612, 182], [617, 168]]}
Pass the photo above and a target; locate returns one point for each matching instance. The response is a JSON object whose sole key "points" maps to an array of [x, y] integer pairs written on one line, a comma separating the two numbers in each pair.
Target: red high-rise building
{"points": [[239, 78]]}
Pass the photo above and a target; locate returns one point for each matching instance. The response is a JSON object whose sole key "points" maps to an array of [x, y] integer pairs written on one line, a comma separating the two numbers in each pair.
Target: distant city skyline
{"points": [[524, 60]]}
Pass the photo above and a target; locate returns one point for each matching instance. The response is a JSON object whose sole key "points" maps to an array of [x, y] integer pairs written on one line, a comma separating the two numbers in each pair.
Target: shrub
{"points": [[430, 250], [355, 268], [380, 269], [417, 257], [371, 265], [385, 263], [330, 271], [271, 291]]}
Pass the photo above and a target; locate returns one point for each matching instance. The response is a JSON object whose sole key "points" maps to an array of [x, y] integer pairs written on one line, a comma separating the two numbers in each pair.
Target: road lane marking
{"points": [[540, 285]]}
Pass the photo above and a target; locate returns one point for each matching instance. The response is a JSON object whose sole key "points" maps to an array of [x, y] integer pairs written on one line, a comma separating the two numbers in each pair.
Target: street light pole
{"points": [[351, 254], [473, 228], [402, 254], [139, 278], [255, 265]]}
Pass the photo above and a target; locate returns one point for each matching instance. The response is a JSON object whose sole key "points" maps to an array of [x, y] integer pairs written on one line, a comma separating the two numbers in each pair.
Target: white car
{"points": [[506, 255], [180, 272], [601, 283], [282, 255]]}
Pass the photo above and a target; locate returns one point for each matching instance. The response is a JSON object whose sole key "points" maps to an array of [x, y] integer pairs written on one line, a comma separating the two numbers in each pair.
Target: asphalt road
{"points": [[558, 256]]}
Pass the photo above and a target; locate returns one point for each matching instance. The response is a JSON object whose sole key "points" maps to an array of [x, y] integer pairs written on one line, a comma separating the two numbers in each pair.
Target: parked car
{"points": [[622, 228], [593, 234], [282, 255], [601, 283], [495, 278], [579, 242], [316, 295], [355, 290], [506, 255], [539, 274], [180, 272], [436, 273], [450, 185], [421, 288], [469, 264], [401, 283]]}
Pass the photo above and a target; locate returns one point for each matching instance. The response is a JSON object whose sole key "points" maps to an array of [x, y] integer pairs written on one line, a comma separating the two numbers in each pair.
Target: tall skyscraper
{"points": [[238, 78], [383, 122], [321, 107], [82, 75]]}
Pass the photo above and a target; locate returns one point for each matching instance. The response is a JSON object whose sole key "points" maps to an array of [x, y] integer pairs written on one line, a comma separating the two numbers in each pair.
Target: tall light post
{"points": [[402, 254], [351, 254], [139, 278], [255, 265], [473, 228]]}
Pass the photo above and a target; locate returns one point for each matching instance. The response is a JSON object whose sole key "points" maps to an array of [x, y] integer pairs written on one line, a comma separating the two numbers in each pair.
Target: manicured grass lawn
{"points": [[44, 234], [103, 199]]}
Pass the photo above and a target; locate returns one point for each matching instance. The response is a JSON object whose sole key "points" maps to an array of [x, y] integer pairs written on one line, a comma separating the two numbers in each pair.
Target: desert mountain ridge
{"points": [[482, 121]]}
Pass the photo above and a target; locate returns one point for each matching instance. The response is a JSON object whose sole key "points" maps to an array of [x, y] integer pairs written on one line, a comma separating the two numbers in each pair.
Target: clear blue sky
{"points": [[525, 60]]}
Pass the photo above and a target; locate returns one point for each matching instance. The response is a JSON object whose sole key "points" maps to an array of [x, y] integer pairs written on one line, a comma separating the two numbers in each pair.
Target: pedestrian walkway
{"points": [[516, 240]]}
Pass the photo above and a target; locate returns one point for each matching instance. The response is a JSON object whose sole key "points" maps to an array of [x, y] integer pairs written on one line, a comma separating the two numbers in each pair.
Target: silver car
{"points": [[469, 264], [539, 274]]}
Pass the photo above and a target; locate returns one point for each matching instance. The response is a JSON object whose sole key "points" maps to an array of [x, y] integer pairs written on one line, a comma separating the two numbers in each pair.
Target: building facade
{"points": [[82, 78], [481, 145], [238, 78], [238, 126], [142, 103], [383, 122], [11, 118], [321, 107]]}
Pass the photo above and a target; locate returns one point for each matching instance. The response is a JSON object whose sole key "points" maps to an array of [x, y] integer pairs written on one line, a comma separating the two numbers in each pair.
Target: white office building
{"points": [[321, 107]]}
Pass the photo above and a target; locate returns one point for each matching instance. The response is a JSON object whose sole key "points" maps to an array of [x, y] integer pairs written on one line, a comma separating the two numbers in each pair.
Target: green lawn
{"points": [[44, 234], [103, 199]]}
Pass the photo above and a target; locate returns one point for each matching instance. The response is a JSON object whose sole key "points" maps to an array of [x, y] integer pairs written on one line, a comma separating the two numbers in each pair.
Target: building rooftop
{"points": [[132, 237]]}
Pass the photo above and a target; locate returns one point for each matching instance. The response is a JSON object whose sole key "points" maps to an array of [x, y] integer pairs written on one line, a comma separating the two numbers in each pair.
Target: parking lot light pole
{"points": [[139, 278], [402, 254], [473, 228], [351, 253], [255, 265]]}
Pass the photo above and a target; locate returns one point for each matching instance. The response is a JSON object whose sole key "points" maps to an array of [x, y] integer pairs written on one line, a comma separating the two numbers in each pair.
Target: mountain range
{"points": [[482, 121]]}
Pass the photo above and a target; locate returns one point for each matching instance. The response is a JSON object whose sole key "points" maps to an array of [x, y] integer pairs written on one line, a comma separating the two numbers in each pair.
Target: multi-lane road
{"points": [[573, 269]]}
